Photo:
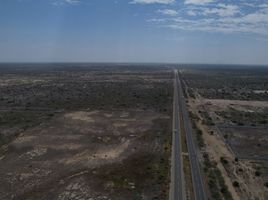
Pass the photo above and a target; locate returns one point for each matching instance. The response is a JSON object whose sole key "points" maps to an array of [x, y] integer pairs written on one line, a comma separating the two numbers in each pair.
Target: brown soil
{"points": [[251, 187], [82, 155]]}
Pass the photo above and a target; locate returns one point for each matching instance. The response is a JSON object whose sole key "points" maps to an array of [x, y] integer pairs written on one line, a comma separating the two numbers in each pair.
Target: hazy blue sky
{"points": [[184, 31]]}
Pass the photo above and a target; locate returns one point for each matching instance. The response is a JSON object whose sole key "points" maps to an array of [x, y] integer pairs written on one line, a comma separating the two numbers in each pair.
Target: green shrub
{"points": [[236, 184], [257, 173]]}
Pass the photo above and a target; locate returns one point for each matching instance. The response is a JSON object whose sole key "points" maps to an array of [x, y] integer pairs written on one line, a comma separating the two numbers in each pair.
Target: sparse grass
{"points": [[199, 135], [19, 121], [217, 186], [143, 171], [193, 116], [224, 161], [207, 119], [146, 171], [22, 118], [188, 178], [200, 140], [3, 140], [183, 136], [245, 118]]}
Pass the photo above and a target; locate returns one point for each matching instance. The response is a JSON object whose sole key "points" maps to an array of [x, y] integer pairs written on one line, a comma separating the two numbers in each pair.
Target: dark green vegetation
{"points": [[245, 118], [198, 132], [229, 83], [217, 187], [33, 93], [206, 118], [186, 162], [94, 88], [262, 171], [199, 137], [85, 131], [138, 174], [14, 122]]}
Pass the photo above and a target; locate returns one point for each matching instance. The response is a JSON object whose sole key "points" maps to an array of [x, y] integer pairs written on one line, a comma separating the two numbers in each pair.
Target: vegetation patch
{"points": [[217, 186]]}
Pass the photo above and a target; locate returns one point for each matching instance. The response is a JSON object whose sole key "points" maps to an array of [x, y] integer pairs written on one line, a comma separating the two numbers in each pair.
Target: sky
{"points": [[158, 31]]}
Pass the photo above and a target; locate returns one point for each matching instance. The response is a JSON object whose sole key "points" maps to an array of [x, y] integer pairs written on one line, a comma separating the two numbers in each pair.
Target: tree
{"points": [[236, 184]]}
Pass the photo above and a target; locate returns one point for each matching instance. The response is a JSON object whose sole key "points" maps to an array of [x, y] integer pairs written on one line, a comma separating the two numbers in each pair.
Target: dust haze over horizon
{"points": [[135, 31]]}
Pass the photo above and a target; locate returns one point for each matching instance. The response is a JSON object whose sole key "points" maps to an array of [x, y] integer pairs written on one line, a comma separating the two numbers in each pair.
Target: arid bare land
{"points": [[85, 132], [230, 118]]}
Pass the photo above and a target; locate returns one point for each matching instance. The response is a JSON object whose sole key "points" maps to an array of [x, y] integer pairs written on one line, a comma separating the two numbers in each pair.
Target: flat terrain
{"points": [[229, 112], [85, 132], [231, 83], [103, 131], [240, 138]]}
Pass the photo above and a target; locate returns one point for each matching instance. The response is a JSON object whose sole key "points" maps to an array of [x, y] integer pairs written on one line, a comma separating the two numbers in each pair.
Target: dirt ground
{"points": [[223, 104], [240, 138], [86, 155], [242, 171], [229, 108], [85, 131]]}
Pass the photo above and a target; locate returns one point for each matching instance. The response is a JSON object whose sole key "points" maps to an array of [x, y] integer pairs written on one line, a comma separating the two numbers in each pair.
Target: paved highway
{"points": [[197, 180], [177, 190]]}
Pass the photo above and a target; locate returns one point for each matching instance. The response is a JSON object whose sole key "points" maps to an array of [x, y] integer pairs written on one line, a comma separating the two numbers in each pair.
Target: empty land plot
{"points": [[249, 113], [247, 142]]}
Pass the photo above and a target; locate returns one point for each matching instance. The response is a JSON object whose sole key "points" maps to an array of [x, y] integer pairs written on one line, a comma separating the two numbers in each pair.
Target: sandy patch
{"points": [[62, 137], [108, 115], [118, 124], [24, 139], [225, 103], [105, 154], [124, 114], [25, 176], [81, 116], [36, 152], [260, 91], [63, 146], [112, 153]]}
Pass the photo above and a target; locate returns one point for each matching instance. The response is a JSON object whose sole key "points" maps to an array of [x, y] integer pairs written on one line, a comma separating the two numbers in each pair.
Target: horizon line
{"points": [[133, 63]]}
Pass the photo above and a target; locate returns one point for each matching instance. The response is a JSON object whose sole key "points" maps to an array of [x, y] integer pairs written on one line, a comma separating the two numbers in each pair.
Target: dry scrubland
{"points": [[85, 132], [76, 131], [229, 109]]}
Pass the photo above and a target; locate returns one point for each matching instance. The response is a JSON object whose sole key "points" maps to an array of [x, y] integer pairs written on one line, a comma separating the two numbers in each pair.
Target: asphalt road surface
{"points": [[198, 185], [177, 186]]}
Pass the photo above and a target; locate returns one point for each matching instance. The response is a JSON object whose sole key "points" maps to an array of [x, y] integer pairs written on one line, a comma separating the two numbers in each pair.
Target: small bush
{"points": [[224, 161], [236, 184], [257, 173]]}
